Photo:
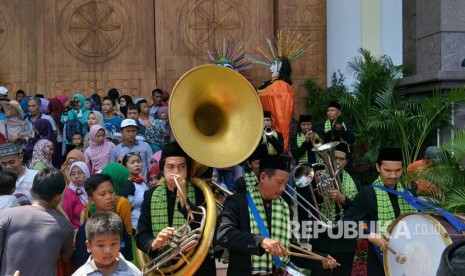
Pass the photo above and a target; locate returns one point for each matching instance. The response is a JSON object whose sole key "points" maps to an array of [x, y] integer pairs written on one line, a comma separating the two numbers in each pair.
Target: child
{"points": [[144, 117], [78, 141], [135, 186], [7, 187], [98, 153], [111, 121], [153, 176], [101, 195], [104, 232]]}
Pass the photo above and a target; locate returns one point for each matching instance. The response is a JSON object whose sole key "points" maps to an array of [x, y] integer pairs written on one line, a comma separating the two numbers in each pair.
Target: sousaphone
{"points": [[217, 118]]}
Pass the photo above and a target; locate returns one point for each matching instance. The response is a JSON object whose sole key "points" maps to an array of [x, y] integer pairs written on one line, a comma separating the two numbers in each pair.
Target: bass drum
{"points": [[421, 238]]}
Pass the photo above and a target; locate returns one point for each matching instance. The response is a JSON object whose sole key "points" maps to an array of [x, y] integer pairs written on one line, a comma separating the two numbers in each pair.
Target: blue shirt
{"points": [[144, 149], [112, 125]]}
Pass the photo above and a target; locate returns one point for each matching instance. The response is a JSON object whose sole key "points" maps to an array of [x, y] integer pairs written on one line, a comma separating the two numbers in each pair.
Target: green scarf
{"points": [[269, 146], [159, 208], [300, 140], [119, 174], [348, 189], [250, 179], [385, 211], [280, 231]]}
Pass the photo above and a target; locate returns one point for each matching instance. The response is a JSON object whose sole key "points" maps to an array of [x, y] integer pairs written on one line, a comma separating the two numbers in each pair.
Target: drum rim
{"points": [[444, 235]]}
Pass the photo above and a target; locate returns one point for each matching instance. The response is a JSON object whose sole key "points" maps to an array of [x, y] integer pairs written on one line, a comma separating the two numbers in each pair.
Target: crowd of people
{"points": [[100, 179]]}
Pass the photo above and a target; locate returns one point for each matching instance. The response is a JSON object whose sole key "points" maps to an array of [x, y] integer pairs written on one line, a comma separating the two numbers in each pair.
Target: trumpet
{"points": [[268, 131], [314, 138]]}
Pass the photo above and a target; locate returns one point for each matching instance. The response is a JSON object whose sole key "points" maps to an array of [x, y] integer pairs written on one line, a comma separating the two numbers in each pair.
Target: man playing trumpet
{"points": [[164, 210], [271, 138]]}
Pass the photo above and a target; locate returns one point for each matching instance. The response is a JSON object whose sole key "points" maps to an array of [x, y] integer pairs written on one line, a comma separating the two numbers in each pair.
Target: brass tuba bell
{"points": [[216, 116]]}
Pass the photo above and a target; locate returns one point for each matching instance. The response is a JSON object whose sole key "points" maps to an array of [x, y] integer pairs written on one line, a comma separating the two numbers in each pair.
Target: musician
{"points": [[335, 128], [250, 251], [251, 169], [274, 139], [374, 204], [342, 249], [162, 212], [302, 143]]}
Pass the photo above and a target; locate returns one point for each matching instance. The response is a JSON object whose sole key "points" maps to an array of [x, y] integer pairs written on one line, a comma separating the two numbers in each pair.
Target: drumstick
{"points": [[401, 258], [310, 253], [318, 258]]}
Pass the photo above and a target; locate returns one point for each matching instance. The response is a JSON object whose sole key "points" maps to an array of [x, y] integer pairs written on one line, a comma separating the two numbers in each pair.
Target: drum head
{"points": [[422, 239]]}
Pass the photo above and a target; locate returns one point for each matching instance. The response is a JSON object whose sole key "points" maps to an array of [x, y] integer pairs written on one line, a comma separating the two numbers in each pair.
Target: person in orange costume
{"points": [[277, 97]]}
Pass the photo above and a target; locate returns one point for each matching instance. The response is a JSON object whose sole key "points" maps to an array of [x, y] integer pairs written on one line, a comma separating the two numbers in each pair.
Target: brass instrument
{"points": [[327, 180], [268, 131], [217, 118], [316, 140]]}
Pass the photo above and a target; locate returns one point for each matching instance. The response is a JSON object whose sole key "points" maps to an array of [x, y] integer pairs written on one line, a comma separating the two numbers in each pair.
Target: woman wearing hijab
{"points": [[75, 198], [42, 129], [98, 153], [78, 112], [63, 99], [94, 118], [14, 127], [56, 109], [124, 101], [42, 155], [73, 156]]}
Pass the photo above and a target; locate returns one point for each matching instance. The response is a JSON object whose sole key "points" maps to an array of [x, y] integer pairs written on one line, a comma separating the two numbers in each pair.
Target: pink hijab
{"points": [[100, 153], [62, 98]]}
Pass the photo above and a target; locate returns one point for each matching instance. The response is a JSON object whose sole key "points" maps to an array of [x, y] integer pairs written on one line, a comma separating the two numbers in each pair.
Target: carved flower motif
{"points": [[95, 28]]}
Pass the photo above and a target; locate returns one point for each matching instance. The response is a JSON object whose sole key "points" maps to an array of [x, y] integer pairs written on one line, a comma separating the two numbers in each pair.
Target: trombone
{"points": [[327, 180]]}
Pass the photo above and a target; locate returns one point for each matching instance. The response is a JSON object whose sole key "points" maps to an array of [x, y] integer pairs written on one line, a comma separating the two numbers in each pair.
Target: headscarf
{"points": [[43, 105], [56, 110], [82, 100], [62, 98], [119, 174], [39, 153], [99, 153], [155, 169], [44, 131], [24, 107], [162, 109], [124, 110], [76, 154], [156, 156], [72, 186], [15, 125], [99, 117]]}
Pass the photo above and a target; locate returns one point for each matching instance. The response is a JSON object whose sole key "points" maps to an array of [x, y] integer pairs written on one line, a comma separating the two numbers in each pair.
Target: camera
{"points": [[72, 104]]}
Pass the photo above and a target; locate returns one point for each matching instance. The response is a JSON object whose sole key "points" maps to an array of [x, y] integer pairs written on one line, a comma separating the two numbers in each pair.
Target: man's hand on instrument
{"points": [[337, 196], [162, 237], [330, 263], [378, 240], [274, 247]]}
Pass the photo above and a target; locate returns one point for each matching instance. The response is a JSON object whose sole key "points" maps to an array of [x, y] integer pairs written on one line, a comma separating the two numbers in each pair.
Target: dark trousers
{"points": [[346, 259]]}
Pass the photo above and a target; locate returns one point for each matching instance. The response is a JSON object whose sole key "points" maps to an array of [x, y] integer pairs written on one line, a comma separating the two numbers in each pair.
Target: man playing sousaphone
{"points": [[250, 250], [162, 210]]}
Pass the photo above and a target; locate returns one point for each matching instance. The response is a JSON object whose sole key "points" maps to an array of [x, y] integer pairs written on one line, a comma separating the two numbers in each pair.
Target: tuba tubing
{"points": [[201, 250]]}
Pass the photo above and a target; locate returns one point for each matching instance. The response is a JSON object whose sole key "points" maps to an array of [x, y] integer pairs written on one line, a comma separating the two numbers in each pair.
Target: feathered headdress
{"points": [[229, 53], [286, 44]]}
